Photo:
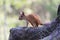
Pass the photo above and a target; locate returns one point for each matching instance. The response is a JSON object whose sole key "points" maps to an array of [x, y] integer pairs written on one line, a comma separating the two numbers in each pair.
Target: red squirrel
{"points": [[33, 19]]}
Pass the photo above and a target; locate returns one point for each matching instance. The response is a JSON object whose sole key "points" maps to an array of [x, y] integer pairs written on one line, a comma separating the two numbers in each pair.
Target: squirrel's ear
{"points": [[20, 13], [23, 13]]}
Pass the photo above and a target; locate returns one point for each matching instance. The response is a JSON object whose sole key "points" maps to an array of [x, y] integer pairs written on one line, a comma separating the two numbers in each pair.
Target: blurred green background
{"points": [[47, 9]]}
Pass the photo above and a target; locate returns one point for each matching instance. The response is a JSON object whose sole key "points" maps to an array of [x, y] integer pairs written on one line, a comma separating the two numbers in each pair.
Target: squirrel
{"points": [[33, 19]]}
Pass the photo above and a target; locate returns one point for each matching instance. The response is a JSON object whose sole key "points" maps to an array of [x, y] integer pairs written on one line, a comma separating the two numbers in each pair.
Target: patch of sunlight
{"points": [[48, 16], [1, 2], [28, 11], [1, 15], [1, 33], [1, 18], [10, 20], [4, 30], [29, 1]]}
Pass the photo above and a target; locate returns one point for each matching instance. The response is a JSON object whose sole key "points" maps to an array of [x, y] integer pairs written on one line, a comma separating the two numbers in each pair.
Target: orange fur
{"points": [[34, 19]]}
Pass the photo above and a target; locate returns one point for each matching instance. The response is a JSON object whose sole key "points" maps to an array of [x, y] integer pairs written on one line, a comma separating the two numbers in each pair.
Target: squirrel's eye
{"points": [[21, 16]]}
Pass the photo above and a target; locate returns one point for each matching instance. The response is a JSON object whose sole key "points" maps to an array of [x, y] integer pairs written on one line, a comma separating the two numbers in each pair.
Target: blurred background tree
{"points": [[9, 13]]}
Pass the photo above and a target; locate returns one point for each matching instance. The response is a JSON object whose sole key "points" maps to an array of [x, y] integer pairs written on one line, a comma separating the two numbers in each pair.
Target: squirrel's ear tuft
{"points": [[23, 13]]}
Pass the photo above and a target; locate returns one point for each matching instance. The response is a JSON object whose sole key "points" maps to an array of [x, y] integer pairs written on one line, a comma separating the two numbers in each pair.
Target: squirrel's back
{"points": [[34, 19]]}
